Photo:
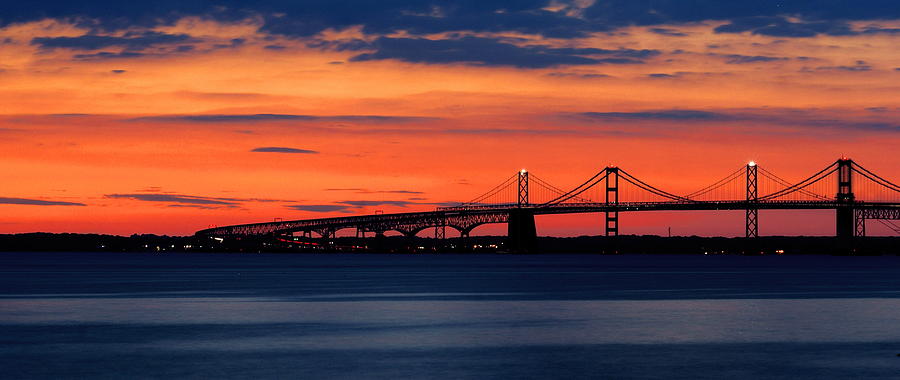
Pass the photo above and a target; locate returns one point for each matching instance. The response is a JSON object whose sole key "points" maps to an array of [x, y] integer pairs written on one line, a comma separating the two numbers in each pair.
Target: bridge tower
{"points": [[845, 223], [752, 215], [612, 199], [521, 231], [523, 188]]}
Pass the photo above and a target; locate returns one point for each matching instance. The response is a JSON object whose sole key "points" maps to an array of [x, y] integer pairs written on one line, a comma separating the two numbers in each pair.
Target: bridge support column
{"points": [[860, 219], [844, 215], [465, 244], [751, 227], [521, 232], [612, 199]]}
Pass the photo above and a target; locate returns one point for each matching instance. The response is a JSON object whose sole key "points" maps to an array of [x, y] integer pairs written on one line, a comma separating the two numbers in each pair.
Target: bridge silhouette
{"points": [[854, 192]]}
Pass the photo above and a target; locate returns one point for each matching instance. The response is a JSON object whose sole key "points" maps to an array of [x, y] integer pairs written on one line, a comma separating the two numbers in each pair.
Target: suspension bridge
{"points": [[855, 193]]}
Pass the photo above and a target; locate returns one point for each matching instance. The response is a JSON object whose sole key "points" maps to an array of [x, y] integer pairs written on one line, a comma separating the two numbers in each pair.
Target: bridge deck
{"points": [[466, 218]]}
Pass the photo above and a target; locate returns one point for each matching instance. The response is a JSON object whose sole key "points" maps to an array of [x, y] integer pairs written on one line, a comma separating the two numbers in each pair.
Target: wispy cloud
{"points": [[835, 119], [36, 202], [668, 32], [377, 203], [265, 117], [320, 208], [175, 198], [278, 149], [860, 66], [367, 191], [739, 59], [657, 115], [131, 41], [493, 52], [350, 205]]}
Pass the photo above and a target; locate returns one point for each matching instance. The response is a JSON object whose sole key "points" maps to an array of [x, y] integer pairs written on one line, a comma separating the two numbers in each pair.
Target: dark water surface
{"points": [[104, 315]]}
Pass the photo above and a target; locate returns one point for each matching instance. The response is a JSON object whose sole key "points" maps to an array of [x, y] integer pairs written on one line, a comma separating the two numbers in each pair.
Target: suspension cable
{"points": [[787, 184], [575, 192], [881, 181], [643, 185], [493, 191], [802, 184], [716, 184], [552, 188]]}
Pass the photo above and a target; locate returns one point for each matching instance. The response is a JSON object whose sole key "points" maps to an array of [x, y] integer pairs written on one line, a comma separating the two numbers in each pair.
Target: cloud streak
{"points": [[176, 198], [775, 117], [491, 52], [320, 208], [36, 202], [278, 149], [131, 41], [265, 117]]}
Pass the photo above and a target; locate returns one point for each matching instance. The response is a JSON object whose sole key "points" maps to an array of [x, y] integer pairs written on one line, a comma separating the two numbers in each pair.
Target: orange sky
{"points": [[92, 130]]}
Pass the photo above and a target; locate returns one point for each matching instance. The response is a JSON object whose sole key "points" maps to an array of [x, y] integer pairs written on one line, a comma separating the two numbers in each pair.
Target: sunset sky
{"points": [[172, 116]]}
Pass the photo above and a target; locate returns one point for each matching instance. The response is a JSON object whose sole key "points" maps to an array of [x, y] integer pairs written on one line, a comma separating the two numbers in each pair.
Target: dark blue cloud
{"points": [[107, 55], [668, 32], [578, 75], [153, 194], [130, 41], [278, 149], [782, 27], [398, 203], [309, 17], [36, 202], [860, 66], [815, 118], [492, 52], [737, 59], [657, 115], [320, 208], [756, 12], [226, 118], [377, 203], [265, 117], [349, 206], [367, 191], [176, 198]]}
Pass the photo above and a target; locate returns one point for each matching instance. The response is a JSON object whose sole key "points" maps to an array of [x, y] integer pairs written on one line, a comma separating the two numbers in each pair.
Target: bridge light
{"points": [[751, 163], [523, 171]]}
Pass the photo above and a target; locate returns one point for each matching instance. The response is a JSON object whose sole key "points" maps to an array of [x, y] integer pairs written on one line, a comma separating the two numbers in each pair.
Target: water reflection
{"points": [[502, 317]]}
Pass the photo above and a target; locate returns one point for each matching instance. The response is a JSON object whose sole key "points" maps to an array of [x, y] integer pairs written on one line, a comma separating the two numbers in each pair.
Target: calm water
{"points": [[77, 315]]}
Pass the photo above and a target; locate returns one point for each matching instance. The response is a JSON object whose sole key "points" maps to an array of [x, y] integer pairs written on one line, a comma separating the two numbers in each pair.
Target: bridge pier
{"points": [[845, 222], [521, 231]]}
